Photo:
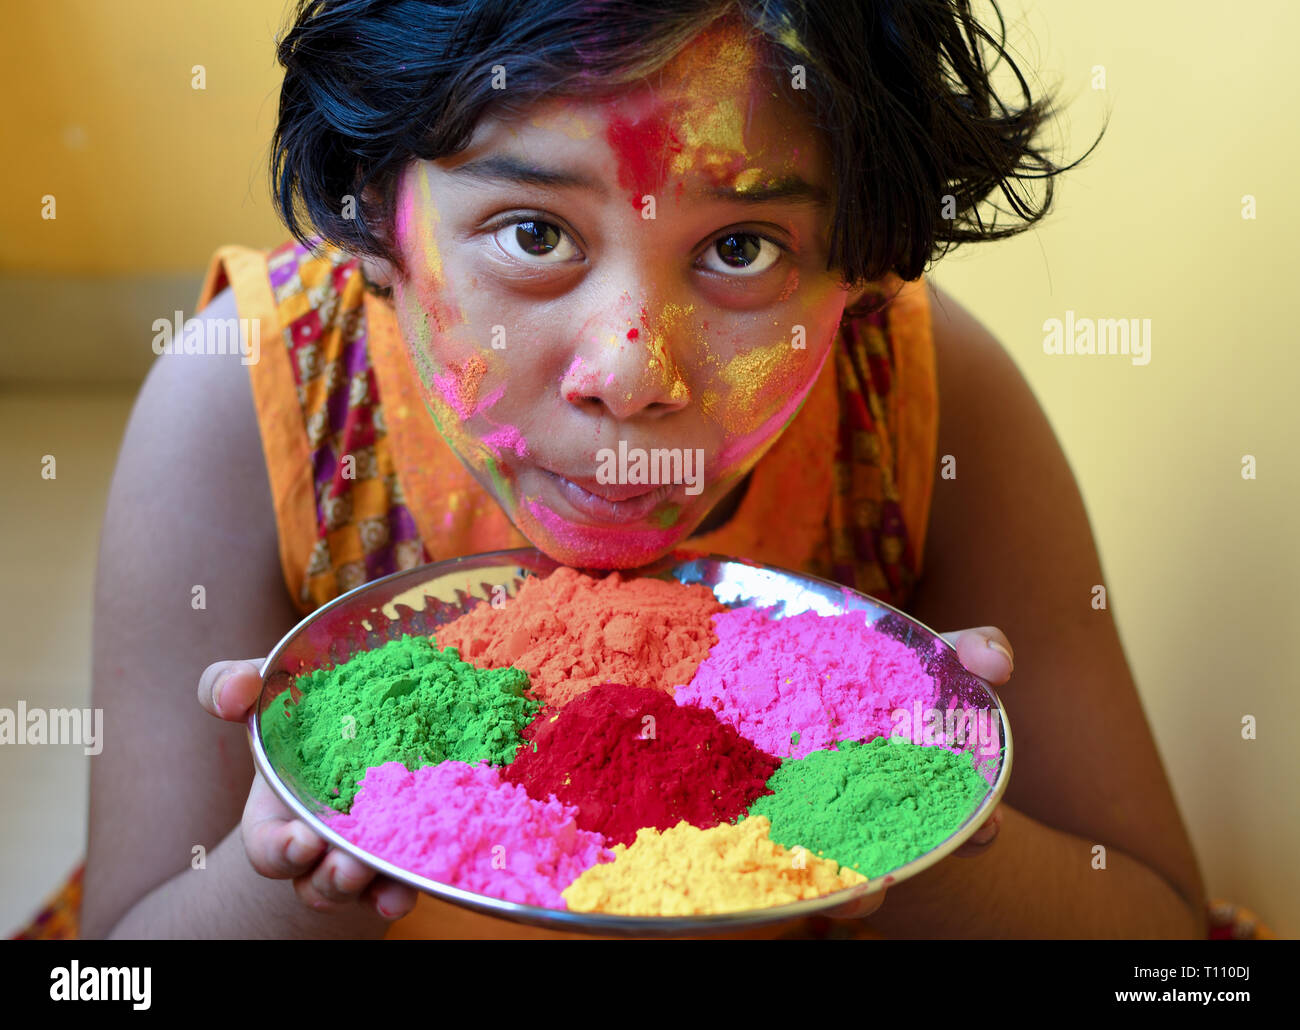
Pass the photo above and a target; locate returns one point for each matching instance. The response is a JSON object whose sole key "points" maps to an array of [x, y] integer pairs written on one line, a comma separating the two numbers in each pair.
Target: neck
{"points": [[722, 512]]}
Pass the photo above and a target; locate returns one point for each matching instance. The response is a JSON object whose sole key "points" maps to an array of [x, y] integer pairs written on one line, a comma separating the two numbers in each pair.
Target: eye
{"points": [[535, 241], [743, 254]]}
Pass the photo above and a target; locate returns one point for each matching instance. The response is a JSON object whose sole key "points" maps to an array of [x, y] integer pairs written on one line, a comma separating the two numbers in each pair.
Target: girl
{"points": [[527, 232]]}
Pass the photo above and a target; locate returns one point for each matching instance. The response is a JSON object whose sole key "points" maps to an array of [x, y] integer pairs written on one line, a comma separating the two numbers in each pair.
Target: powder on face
{"points": [[407, 701], [811, 678], [686, 871], [630, 757], [570, 632], [459, 824], [874, 806]]}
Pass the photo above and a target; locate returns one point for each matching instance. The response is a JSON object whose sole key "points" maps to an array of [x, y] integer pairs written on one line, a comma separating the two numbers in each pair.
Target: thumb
{"points": [[985, 651], [229, 689]]}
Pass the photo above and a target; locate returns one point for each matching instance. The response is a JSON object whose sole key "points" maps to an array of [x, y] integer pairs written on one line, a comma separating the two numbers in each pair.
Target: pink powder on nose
{"points": [[460, 824], [824, 678]]}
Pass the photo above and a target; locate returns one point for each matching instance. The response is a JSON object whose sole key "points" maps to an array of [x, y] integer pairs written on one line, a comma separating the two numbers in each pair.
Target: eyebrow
{"points": [[789, 189], [503, 168]]}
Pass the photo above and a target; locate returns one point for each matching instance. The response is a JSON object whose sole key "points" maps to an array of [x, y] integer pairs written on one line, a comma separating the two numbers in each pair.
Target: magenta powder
{"points": [[799, 684], [461, 825]]}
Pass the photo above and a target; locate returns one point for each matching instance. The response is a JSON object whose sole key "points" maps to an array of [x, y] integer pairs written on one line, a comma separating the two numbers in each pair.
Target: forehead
{"points": [[714, 113]]}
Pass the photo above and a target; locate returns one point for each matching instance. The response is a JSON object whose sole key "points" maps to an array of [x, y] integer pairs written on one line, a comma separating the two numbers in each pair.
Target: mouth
{"points": [[608, 503]]}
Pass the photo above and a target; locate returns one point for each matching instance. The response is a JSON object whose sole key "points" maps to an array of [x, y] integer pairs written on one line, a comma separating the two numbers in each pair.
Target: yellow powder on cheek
{"points": [[709, 404], [687, 871], [757, 383], [755, 373]]}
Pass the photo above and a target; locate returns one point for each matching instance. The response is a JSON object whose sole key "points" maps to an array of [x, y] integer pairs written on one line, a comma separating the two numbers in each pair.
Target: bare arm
{"points": [[1010, 545], [189, 506]]}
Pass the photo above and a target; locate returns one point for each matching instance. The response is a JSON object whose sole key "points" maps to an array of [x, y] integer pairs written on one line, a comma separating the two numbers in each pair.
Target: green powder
{"points": [[872, 807], [407, 701]]}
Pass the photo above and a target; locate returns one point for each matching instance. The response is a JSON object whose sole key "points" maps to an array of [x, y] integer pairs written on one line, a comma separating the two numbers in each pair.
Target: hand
{"points": [[976, 650], [987, 653], [280, 846]]}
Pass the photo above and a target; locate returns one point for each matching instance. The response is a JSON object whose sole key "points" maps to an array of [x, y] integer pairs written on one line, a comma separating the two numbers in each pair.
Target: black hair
{"points": [[925, 154]]}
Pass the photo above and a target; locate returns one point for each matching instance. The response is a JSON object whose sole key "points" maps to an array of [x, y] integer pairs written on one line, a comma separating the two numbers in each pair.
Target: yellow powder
{"points": [[686, 871]]}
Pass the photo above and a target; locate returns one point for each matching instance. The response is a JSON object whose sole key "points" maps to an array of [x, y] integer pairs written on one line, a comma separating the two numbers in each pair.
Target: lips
{"points": [[608, 503]]}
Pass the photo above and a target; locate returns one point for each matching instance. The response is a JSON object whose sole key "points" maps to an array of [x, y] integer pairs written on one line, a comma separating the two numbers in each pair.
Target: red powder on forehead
{"points": [[632, 334], [628, 757], [640, 149], [570, 632]]}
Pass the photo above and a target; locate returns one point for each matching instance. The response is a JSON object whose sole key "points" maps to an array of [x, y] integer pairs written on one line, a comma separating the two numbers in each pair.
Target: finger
{"points": [[980, 840], [229, 689], [340, 877], [985, 651], [278, 845], [390, 899], [338, 880], [859, 907]]}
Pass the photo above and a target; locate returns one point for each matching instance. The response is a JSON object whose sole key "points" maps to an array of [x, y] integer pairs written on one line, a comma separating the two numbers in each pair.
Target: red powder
{"points": [[641, 150], [570, 632], [628, 757], [632, 334]]}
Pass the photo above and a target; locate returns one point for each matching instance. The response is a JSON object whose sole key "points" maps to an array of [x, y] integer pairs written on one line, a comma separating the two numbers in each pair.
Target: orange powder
{"points": [[686, 871], [571, 632]]}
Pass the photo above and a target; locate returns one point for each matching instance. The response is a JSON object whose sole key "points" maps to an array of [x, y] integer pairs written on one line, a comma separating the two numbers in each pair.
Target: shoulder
{"points": [[1003, 487], [192, 461], [991, 425], [972, 365], [206, 383], [192, 464], [1011, 545]]}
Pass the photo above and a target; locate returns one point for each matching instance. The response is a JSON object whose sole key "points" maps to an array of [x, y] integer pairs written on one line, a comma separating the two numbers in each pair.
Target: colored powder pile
{"points": [[571, 632], [459, 824], [629, 757], [407, 701], [686, 871], [874, 806], [796, 685]]}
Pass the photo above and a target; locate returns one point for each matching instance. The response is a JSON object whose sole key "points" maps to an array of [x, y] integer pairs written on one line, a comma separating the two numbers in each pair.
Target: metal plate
{"points": [[421, 599]]}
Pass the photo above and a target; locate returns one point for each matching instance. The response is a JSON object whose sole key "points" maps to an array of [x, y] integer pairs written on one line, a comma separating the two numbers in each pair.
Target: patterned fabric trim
{"points": [[340, 506]]}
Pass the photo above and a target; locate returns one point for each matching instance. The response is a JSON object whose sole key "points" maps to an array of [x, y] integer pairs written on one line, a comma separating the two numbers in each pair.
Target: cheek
{"points": [[462, 380], [758, 387]]}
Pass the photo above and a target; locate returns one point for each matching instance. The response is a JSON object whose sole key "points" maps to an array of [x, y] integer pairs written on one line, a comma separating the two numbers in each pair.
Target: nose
{"points": [[625, 363]]}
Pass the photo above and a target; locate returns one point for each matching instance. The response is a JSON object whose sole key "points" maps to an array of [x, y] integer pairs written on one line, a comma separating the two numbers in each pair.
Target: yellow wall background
{"points": [[151, 175]]}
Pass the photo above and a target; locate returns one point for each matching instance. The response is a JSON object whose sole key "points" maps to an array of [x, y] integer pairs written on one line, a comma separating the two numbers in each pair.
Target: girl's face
{"points": [[644, 274]]}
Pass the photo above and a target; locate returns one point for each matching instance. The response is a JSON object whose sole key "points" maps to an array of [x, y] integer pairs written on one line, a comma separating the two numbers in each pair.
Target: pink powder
{"points": [[461, 825], [827, 678], [612, 547], [505, 438]]}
